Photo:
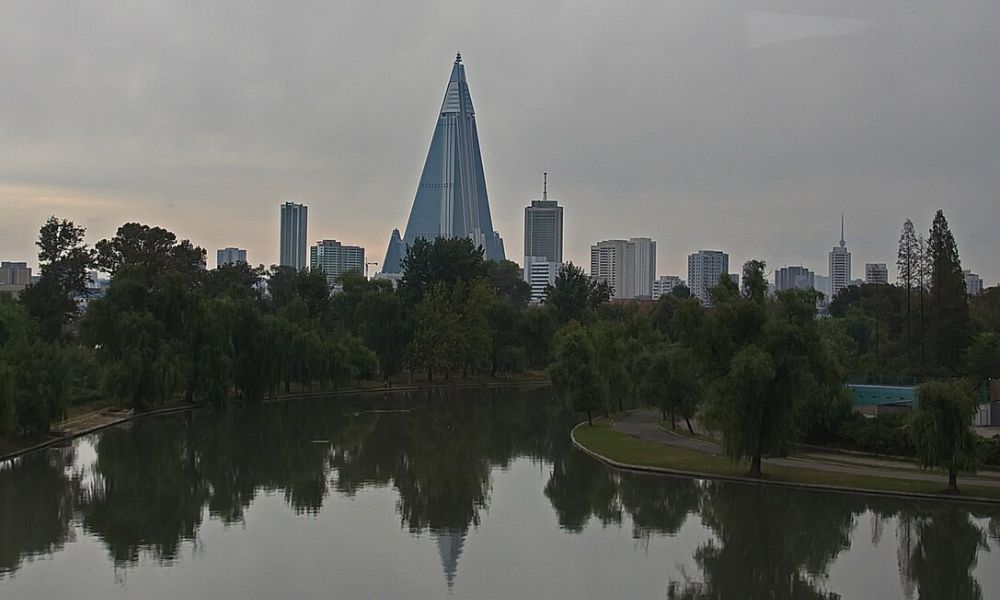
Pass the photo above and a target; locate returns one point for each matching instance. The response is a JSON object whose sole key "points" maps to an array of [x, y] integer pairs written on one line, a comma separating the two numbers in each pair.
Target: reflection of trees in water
{"points": [[152, 481], [37, 497], [769, 543], [939, 548], [772, 542]]}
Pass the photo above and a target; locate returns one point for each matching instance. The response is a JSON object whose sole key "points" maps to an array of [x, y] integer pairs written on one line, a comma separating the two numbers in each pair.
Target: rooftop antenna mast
{"points": [[545, 186]]}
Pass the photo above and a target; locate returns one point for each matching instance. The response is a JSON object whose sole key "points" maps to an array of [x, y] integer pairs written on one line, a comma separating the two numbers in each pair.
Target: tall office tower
{"points": [[665, 285], [645, 266], [333, 258], [543, 230], [230, 256], [876, 273], [840, 265], [705, 267], [799, 277], [540, 276], [973, 283], [293, 235], [451, 198]]}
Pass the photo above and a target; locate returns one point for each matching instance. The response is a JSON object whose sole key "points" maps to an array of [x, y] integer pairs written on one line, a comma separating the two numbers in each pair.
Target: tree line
{"points": [[167, 329], [760, 368]]}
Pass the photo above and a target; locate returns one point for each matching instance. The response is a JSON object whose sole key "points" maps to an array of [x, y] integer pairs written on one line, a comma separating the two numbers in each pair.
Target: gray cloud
{"points": [[745, 125]]}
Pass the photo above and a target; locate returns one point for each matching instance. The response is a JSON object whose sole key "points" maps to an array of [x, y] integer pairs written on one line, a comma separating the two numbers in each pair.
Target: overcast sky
{"points": [[741, 125]]}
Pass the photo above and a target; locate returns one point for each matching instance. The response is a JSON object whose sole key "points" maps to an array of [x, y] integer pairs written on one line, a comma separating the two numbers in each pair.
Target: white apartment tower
{"points": [[645, 266], [840, 265], [613, 262], [705, 267], [333, 258], [230, 256], [628, 266]]}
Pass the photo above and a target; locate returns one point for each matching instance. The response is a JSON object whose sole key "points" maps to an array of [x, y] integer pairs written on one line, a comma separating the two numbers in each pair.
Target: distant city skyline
{"points": [[737, 129]]}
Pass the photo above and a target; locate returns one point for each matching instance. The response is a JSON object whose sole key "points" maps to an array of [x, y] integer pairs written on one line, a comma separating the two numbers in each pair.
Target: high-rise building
{"points": [[540, 276], [628, 266], [451, 199], [840, 265], [973, 283], [15, 273], [665, 284], [876, 273], [333, 259], [14, 277], [543, 230], [294, 229], [613, 262], [230, 256], [645, 266], [822, 285], [705, 267], [787, 278]]}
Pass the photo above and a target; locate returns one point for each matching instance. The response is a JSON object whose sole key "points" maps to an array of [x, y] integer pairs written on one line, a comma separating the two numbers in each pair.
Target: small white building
{"points": [[540, 274], [973, 283], [665, 284]]}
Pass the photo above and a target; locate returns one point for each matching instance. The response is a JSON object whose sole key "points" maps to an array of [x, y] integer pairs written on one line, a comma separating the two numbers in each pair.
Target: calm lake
{"points": [[464, 494]]}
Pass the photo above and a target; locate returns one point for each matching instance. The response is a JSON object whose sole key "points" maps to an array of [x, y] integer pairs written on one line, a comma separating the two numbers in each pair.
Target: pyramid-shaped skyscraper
{"points": [[451, 199]]}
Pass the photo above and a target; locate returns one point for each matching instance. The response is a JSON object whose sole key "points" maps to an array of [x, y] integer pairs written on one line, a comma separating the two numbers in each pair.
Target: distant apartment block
{"points": [[294, 226], [333, 259], [822, 285], [664, 285], [14, 277], [230, 256], [628, 266], [705, 267], [973, 283], [876, 274], [645, 266], [794, 277]]}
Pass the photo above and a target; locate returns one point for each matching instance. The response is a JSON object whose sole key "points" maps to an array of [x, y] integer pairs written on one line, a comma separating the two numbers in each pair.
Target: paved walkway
{"points": [[645, 426]]}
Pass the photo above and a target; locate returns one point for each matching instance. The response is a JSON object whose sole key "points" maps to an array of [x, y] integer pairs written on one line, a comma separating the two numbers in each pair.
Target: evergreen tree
{"points": [[949, 322], [908, 263]]}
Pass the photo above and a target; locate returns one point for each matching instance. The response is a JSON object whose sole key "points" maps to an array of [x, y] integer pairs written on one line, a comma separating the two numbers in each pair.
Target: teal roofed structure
{"points": [[451, 198]]}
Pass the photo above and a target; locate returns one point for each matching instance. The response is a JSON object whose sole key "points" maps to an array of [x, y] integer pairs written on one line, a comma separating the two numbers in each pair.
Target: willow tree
{"points": [[574, 371], [940, 428]]}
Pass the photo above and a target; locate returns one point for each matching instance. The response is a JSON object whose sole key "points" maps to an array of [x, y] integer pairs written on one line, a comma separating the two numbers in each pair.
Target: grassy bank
{"points": [[619, 447]]}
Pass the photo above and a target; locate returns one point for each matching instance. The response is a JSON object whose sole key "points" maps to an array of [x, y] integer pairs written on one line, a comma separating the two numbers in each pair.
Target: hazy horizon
{"points": [[746, 127]]}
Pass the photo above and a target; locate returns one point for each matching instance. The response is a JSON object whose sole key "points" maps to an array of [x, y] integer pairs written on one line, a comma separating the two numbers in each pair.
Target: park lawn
{"points": [[624, 448]]}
